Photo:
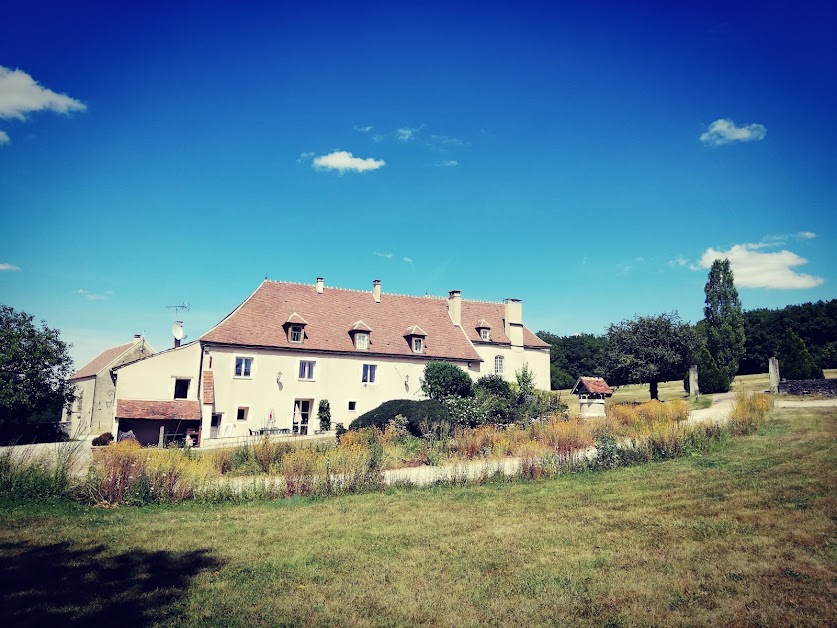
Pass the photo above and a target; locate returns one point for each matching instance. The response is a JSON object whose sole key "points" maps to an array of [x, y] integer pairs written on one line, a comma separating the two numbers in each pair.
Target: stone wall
{"points": [[824, 387]]}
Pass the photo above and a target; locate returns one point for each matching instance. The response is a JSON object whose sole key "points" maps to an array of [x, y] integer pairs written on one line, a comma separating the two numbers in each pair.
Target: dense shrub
{"points": [[443, 379], [416, 412], [711, 379], [794, 360]]}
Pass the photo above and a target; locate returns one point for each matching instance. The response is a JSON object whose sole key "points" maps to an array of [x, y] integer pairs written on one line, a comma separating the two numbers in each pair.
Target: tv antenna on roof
{"points": [[183, 306]]}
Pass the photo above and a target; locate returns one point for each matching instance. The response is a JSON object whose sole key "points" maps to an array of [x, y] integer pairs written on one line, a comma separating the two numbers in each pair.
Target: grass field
{"points": [[742, 535]]}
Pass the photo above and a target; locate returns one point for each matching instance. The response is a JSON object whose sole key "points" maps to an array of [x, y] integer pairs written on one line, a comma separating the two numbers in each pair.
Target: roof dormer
{"points": [[483, 328], [360, 335], [416, 336], [295, 328]]}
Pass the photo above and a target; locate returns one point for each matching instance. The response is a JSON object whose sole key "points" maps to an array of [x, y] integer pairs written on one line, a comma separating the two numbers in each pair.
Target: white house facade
{"points": [[289, 346]]}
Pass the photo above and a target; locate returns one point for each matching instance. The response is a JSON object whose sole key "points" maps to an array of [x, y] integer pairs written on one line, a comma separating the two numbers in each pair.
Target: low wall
{"points": [[824, 387]]}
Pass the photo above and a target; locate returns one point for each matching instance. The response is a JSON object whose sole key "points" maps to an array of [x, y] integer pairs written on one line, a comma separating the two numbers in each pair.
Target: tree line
{"points": [[726, 342]]}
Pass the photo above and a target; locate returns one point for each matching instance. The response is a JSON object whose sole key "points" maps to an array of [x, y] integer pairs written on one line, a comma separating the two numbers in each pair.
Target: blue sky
{"points": [[591, 161]]}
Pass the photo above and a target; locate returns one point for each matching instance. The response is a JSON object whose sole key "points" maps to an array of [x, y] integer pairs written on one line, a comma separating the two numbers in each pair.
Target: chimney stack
{"points": [[137, 338], [455, 307], [514, 321], [376, 290], [319, 285]]}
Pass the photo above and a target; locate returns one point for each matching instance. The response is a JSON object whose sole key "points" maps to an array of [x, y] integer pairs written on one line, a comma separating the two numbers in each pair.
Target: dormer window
{"points": [[484, 330], [295, 328], [360, 335], [415, 335]]}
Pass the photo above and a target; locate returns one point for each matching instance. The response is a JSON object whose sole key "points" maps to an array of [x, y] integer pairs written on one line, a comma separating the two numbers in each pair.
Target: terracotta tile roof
{"points": [[478, 313], [591, 385], [101, 361], [177, 409], [208, 387], [258, 322]]}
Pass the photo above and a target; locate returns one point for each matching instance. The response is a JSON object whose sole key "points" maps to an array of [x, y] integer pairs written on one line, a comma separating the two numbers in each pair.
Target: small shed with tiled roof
{"points": [[591, 393]]}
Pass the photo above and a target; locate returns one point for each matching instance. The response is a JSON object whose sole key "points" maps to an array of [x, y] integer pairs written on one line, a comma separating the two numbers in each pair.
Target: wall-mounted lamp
{"points": [[279, 377]]}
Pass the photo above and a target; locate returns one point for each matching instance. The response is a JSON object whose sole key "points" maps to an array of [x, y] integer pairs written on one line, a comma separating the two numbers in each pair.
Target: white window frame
{"points": [[485, 334], [243, 359], [418, 344], [307, 373], [246, 413], [296, 331], [499, 364], [369, 374], [362, 341]]}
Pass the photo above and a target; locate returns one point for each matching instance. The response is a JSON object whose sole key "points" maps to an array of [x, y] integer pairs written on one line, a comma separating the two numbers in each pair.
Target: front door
{"points": [[215, 426], [302, 412]]}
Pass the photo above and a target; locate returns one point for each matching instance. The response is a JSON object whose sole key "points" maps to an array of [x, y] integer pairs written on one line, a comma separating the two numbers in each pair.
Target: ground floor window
{"points": [[302, 412], [241, 415]]}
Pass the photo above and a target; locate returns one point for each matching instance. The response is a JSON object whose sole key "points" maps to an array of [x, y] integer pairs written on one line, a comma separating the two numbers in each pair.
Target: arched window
{"points": [[498, 364]]}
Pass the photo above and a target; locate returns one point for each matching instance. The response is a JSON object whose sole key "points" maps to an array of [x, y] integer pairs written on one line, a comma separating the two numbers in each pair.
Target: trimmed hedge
{"points": [[430, 410]]}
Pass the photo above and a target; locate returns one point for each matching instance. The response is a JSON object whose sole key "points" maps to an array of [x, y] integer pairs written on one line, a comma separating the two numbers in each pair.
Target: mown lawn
{"points": [[742, 535]]}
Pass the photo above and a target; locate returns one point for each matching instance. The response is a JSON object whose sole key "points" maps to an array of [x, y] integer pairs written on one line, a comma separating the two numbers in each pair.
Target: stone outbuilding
{"points": [[591, 392]]}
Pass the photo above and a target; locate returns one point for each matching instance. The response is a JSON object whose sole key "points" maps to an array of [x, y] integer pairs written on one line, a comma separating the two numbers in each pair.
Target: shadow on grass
{"points": [[42, 585]]}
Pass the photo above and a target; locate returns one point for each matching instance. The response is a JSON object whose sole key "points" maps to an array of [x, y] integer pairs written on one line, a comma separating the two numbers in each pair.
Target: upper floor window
{"points": [[295, 334], [498, 364], [369, 371], [241, 414], [361, 341], [485, 334], [181, 388], [418, 345], [306, 369], [243, 367]]}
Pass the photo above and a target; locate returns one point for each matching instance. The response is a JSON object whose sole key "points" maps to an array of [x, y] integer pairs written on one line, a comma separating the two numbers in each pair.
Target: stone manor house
{"points": [[288, 346]]}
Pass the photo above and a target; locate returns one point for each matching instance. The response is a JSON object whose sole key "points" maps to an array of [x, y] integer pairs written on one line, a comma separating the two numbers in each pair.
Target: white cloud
{"points": [[806, 235], [756, 269], [364, 129], [409, 260], [342, 161], [4, 137], [678, 261], [406, 134], [304, 157], [449, 163], [447, 140], [724, 131], [20, 94], [10, 267], [384, 255], [94, 296]]}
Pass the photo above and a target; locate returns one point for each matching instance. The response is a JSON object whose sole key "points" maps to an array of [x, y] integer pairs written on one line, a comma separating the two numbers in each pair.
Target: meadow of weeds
{"points": [[125, 473]]}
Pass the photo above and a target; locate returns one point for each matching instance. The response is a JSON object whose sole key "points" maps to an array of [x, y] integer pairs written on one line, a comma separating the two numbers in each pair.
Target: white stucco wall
{"points": [[513, 360], [336, 378], [153, 379], [80, 416]]}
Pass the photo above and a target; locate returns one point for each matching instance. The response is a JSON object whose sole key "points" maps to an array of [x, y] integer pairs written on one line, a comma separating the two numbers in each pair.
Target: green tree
{"points": [[711, 379], [324, 415], [34, 367], [649, 349], [443, 379], [794, 360], [724, 319]]}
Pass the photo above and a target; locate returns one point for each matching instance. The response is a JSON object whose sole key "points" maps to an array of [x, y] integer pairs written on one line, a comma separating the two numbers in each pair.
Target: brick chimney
{"points": [[376, 290], [455, 307], [319, 285]]}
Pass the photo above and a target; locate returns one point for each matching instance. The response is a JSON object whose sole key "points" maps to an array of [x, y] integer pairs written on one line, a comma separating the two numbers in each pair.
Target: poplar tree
{"points": [[724, 319]]}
